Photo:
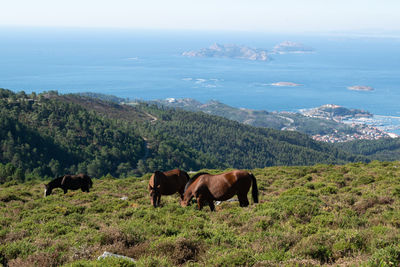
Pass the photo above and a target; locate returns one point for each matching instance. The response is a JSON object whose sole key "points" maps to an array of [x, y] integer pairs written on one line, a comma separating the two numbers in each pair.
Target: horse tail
{"points": [[254, 188], [187, 176], [156, 180]]}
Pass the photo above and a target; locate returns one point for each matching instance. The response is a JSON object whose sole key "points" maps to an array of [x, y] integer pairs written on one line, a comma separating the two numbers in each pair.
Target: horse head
{"points": [[186, 201], [187, 197], [47, 190], [188, 192]]}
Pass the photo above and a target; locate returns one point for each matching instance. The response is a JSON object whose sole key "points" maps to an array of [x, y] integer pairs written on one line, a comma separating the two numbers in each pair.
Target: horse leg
{"points": [[158, 200], [243, 200], [181, 192], [200, 202], [211, 204]]}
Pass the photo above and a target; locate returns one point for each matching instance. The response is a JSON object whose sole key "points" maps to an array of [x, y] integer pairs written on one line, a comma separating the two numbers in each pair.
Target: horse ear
{"points": [[151, 188]]}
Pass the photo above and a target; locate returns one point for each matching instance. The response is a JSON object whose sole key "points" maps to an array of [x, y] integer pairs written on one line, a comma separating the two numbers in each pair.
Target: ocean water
{"points": [[148, 65]]}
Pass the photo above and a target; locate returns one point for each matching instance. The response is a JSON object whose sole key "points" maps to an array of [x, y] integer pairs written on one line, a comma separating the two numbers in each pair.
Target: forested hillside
{"points": [[45, 136], [226, 143], [50, 134], [241, 146], [387, 149]]}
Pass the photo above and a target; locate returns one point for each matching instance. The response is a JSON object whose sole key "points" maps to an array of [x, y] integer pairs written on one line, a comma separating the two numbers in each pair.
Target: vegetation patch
{"points": [[304, 218]]}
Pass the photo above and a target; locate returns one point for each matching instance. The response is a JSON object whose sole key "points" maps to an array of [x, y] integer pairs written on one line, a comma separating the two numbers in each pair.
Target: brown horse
{"points": [[72, 182], [206, 188], [166, 183]]}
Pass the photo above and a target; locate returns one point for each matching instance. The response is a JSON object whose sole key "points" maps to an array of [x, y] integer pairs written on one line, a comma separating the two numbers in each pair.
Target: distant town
{"points": [[355, 118], [364, 132]]}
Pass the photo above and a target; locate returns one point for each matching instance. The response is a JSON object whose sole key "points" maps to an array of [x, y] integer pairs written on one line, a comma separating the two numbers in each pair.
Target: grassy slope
{"points": [[322, 214]]}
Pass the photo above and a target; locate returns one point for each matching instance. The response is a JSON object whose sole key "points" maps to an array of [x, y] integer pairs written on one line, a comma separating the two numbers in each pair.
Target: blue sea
{"points": [[148, 65]]}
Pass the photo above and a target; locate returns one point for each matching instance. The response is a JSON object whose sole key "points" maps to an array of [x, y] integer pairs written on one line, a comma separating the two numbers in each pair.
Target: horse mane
{"points": [[191, 180]]}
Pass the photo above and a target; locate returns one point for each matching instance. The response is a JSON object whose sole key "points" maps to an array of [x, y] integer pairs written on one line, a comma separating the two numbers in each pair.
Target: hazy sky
{"points": [[247, 15]]}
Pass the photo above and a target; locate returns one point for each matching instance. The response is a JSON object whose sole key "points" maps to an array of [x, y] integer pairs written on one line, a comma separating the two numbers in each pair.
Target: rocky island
{"points": [[360, 88], [230, 51], [288, 47], [249, 53], [285, 84]]}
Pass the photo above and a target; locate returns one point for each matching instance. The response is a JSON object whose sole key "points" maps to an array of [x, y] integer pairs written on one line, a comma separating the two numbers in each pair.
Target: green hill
{"points": [[327, 215], [50, 134]]}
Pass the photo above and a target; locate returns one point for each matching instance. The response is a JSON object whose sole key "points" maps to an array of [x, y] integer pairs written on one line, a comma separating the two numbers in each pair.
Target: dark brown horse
{"points": [[206, 188], [72, 182], [167, 183]]}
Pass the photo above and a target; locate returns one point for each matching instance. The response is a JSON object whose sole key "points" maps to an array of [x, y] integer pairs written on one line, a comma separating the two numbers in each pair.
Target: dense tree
{"points": [[45, 135], [386, 149]]}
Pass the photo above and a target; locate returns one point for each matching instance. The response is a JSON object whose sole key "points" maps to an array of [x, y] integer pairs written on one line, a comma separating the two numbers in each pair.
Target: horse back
{"points": [[170, 181], [226, 185], [76, 181], [85, 179]]}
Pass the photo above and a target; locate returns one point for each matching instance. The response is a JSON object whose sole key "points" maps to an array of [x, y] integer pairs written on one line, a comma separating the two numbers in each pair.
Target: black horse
{"points": [[72, 182]]}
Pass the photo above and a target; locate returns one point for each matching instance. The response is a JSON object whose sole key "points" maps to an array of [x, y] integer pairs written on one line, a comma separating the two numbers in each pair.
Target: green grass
{"points": [[307, 216]]}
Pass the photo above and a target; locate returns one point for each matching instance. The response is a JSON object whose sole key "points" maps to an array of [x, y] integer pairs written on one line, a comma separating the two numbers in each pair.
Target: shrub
{"points": [[18, 248], [363, 205], [108, 261], [180, 250], [388, 256], [317, 246], [233, 257], [328, 190], [297, 203], [40, 259]]}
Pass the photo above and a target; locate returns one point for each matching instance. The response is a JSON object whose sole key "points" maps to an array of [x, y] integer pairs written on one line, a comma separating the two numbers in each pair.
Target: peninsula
{"points": [[230, 51]]}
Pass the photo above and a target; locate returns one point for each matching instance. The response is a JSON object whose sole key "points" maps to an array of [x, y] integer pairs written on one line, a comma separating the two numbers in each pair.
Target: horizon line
{"points": [[356, 33]]}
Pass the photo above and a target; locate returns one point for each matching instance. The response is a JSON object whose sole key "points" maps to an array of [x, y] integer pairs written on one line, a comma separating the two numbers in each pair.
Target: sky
{"points": [[232, 15]]}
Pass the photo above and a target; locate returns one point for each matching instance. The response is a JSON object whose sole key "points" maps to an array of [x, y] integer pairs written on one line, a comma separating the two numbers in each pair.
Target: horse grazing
{"points": [[206, 188], [72, 182], [166, 183]]}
